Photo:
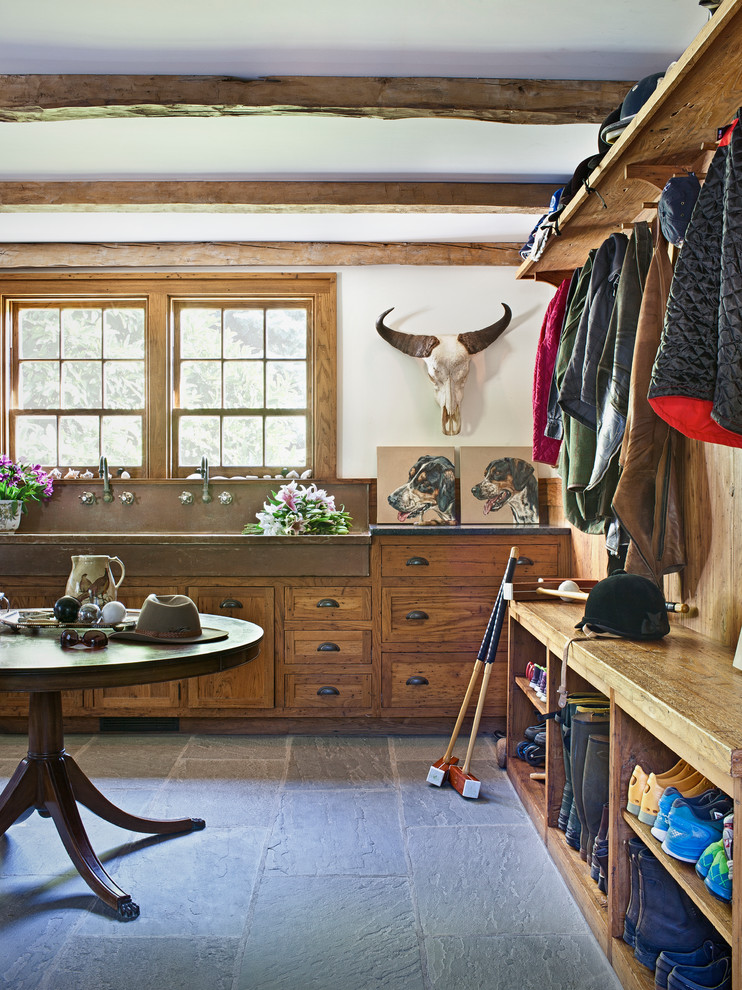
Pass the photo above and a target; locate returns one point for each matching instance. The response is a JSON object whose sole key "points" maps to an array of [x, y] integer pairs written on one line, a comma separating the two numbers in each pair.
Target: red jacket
{"points": [[546, 449]]}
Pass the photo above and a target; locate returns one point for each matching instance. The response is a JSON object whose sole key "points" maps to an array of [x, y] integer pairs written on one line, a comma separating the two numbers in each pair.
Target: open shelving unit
{"points": [[674, 132], [665, 704]]}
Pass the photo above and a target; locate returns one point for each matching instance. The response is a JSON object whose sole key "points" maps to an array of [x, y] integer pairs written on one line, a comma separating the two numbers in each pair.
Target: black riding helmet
{"points": [[627, 605]]}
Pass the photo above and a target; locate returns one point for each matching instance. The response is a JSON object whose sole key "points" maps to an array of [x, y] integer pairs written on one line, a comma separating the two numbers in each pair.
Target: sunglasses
{"points": [[92, 639]]}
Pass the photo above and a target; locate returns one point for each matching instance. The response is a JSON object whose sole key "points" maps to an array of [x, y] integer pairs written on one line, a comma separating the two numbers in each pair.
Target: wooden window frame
{"points": [[160, 290]]}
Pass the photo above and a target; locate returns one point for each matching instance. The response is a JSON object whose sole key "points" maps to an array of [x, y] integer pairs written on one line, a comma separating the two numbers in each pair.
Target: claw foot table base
{"points": [[50, 782]]}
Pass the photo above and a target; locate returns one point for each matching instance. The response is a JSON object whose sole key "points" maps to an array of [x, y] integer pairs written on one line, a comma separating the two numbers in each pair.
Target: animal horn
{"points": [[477, 340], [415, 344]]}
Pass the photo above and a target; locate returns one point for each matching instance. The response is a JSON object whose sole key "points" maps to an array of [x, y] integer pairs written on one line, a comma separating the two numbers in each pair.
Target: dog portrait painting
{"points": [[416, 487], [498, 487]]}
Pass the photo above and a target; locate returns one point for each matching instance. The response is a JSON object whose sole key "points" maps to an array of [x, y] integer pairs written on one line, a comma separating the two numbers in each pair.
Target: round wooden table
{"points": [[48, 779]]}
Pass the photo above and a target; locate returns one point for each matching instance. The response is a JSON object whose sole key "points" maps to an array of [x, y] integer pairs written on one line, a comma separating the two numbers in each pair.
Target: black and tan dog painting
{"points": [[429, 495], [509, 481]]}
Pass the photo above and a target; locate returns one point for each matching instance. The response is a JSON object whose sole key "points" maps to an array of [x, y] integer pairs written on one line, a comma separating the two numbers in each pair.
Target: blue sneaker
{"points": [[707, 857], [661, 822], [718, 880], [692, 830]]}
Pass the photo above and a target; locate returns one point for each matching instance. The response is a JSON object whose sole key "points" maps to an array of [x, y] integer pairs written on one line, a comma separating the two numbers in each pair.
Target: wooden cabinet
{"points": [[251, 685], [327, 660], [436, 591], [674, 698]]}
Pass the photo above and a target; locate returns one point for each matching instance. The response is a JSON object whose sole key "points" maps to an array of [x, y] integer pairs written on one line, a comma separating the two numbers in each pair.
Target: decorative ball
{"points": [[88, 614], [66, 609], [568, 586], [113, 613]]}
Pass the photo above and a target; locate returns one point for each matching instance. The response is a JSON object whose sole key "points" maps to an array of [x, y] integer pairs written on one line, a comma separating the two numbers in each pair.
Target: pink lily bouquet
{"points": [[296, 510]]}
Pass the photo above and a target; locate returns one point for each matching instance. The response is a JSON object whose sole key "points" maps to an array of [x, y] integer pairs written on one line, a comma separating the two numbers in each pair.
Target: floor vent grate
{"points": [[141, 724]]}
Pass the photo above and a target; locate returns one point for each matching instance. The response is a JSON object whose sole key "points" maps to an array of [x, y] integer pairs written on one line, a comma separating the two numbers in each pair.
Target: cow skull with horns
{"points": [[447, 358]]}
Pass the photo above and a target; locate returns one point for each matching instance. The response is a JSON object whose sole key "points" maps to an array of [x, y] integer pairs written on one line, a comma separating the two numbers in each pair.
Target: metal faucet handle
{"points": [[126, 498], [225, 498], [186, 498], [87, 498]]}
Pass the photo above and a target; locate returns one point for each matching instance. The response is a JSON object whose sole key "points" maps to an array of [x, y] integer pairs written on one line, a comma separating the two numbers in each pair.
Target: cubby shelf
{"points": [[718, 913], [525, 685], [664, 706]]}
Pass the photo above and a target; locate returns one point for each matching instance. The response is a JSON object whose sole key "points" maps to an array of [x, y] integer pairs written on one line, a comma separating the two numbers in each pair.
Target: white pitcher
{"points": [[91, 579]]}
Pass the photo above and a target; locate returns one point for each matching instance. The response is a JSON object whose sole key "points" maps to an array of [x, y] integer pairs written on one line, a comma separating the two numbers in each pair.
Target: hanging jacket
{"points": [[554, 427], [647, 498], [696, 383], [546, 449], [614, 368]]}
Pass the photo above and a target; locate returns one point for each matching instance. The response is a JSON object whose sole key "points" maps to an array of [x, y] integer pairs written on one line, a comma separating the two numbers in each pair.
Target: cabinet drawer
{"points": [[341, 691], [454, 559], [327, 647], [319, 604], [412, 681], [445, 617]]}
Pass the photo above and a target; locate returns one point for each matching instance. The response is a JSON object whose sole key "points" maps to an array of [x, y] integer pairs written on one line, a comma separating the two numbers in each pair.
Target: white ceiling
{"points": [[606, 39]]}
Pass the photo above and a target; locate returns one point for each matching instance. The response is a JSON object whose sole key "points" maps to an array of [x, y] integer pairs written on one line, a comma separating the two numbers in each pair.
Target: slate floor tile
{"points": [[118, 760], [249, 748], [222, 792], [337, 832], [332, 761], [529, 962], [425, 804], [334, 933], [91, 963], [488, 880]]}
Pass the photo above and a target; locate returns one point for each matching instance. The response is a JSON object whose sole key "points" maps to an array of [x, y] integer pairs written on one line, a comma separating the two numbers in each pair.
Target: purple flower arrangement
{"points": [[23, 482], [298, 509]]}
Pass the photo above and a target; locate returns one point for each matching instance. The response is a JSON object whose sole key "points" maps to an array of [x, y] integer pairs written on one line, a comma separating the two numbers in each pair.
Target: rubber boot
{"points": [[668, 918], [568, 821], [567, 796], [601, 839], [634, 847], [595, 786], [584, 724]]}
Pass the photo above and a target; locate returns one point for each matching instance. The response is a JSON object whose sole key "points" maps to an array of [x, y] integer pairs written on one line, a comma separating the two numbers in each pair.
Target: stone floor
{"points": [[327, 864]]}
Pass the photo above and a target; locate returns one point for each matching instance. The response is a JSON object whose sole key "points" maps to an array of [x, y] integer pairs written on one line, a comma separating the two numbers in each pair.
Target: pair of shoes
{"points": [[692, 829], [716, 975], [682, 776], [715, 863], [532, 753], [662, 821], [699, 958]]}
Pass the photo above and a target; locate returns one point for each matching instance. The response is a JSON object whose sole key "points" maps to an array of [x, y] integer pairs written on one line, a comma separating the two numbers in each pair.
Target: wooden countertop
{"points": [[683, 688]]}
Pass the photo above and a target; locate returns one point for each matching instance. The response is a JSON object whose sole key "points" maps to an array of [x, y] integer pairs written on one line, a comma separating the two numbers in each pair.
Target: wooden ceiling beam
{"points": [[513, 101], [275, 197], [241, 254]]}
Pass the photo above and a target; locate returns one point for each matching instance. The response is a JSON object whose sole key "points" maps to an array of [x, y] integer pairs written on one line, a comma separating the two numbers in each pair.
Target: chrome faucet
{"points": [[103, 473], [204, 472]]}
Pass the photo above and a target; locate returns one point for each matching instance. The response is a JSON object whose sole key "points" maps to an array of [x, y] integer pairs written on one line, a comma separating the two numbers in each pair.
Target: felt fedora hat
{"points": [[169, 619]]}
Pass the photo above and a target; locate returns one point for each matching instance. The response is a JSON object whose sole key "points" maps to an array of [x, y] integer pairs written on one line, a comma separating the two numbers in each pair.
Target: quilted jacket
{"points": [[545, 448], [696, 383]]}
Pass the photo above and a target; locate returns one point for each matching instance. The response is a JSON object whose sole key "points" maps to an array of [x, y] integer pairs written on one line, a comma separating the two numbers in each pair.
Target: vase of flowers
{"points": [[298, 509], [20, 484]]}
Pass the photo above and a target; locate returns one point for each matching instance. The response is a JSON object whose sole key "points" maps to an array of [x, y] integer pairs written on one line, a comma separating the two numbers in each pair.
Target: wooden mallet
{"points": [[438, 772], [568, 594], [462, 780]]}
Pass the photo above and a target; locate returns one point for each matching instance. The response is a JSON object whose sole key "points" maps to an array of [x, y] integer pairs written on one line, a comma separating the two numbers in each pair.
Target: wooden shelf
{"points": [[524, 684], [699, 93], [576, 874], [631, 973], [718, 913], [530, 792]]}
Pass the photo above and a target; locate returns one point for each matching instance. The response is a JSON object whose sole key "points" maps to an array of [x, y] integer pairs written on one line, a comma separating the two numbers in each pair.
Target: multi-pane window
{"points": [[80, 382], [242, 384], [156, 372]]}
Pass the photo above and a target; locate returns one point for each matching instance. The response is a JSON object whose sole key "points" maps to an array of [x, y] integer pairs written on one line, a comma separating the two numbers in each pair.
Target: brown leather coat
{"points": [[647, 499]]}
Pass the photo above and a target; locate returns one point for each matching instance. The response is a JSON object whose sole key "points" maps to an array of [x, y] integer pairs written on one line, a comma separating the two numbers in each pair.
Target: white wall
{"points": [[385, 398]]}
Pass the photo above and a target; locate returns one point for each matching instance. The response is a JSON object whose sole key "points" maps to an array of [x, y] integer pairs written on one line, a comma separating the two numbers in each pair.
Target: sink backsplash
{"points": [[157, 508]]}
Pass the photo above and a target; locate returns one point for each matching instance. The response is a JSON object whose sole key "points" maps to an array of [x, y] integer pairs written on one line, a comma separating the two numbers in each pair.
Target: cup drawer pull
{"points": [[328, 603], [230, 603], [416, 613], [524, 560], [328, 690], [417, 562], [328, 648], [416, 680]]}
